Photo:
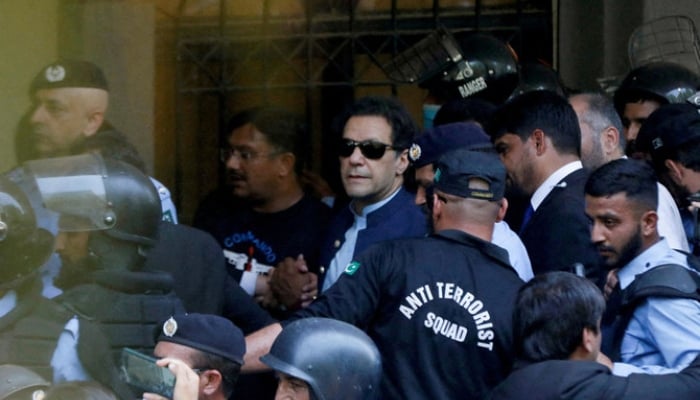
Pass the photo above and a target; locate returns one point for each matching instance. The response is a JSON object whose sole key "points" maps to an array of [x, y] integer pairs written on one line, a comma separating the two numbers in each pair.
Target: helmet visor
{"points": [[74, 188]]}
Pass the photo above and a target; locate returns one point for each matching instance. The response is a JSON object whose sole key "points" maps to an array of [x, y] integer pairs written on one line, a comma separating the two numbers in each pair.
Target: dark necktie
{"points": [[526, 217]]}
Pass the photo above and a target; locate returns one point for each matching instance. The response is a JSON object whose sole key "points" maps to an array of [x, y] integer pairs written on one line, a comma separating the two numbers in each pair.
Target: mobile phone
{"points": [[141, 371]]}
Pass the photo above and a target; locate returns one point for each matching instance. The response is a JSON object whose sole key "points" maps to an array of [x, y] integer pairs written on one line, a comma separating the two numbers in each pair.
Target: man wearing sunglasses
{"points": [[373, 155]]}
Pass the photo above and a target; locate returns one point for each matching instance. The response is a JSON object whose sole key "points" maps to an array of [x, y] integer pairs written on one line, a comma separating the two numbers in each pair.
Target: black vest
{"points": [[126, 305], [668, 280], [29, 333]]}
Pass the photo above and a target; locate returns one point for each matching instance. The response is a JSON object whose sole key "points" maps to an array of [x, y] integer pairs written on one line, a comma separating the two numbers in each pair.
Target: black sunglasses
{"points": [[369, 148]]}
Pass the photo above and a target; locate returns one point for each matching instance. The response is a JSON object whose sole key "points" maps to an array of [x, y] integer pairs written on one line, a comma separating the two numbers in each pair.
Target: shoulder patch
{"points": [[352, 268]]}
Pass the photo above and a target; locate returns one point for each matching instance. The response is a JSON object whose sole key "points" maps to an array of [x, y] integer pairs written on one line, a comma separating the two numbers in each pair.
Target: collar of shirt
{"points": [[374, 206], [344, 254], [8, 302], [658, 254], [552, 181]]}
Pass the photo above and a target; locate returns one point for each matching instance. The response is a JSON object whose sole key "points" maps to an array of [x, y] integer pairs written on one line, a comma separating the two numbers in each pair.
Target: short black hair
{"points": [[688, 155], [551, 312], [284, 130], [403, 128], [634, 178], [229, 369], [539, 109]]}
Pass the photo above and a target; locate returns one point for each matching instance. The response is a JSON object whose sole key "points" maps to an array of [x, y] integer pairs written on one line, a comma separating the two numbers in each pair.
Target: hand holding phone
{"points": [[142, 372], [186, 380]]}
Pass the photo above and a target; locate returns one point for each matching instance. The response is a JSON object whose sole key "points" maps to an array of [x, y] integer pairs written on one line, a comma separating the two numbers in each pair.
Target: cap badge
{"points": [[414, 152], [55, 73], [170, 327]]}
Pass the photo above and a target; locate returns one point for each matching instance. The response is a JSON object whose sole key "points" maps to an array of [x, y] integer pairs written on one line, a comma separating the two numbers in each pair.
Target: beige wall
{"points": [[28, 41]]}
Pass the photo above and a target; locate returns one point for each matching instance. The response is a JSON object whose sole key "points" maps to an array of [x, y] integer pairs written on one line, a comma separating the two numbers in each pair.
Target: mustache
{"points": [[235, 175], [602, 247]]}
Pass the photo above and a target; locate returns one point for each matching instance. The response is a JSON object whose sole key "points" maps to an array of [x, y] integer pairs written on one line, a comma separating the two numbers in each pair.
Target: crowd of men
{"points": [[529, 242]]}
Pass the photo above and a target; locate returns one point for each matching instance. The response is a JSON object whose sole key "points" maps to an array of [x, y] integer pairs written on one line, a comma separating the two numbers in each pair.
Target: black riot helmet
{"points": [[337, 360], [663, 82], [91, 193], [458, 66], [536, 76], [24, 247]]}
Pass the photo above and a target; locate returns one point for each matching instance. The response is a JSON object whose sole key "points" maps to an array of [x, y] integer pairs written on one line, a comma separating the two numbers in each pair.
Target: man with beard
{"points": [[658, 321], [602, 141], [108, 218], [70, 99]]}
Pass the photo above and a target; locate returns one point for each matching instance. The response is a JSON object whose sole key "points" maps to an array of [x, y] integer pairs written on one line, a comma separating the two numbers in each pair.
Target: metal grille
{"points": [[672, 39], [313, 63]]}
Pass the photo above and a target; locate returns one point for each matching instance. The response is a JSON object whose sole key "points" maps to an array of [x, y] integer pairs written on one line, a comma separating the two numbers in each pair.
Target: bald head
{"points": [[63, 117]]}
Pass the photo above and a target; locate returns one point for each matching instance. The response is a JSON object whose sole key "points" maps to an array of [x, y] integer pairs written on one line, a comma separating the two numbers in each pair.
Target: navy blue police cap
{"points": [[668, 128], [434, 142], [456, 168], [70, 73], [205, 332]]}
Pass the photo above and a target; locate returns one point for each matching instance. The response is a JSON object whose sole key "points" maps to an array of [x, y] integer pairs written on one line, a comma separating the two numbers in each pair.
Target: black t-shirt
{"points": [[268, 238]]}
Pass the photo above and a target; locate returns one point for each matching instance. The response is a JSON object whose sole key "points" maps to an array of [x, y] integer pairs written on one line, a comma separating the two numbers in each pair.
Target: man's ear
{"points": [[287, 161], [539, 141], [648, 223], [402, 163], [94, 121], [502, 210], [675, 171], [610, 140], [587, 349], [589, 339], [210, 381]]}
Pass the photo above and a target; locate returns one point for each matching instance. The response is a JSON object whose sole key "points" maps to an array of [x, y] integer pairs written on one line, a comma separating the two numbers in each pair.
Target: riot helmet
{"points": [[536, 76], [458, 66], [337, 360], [92, 193], [24, 247], [663, 82], [21, 383]]}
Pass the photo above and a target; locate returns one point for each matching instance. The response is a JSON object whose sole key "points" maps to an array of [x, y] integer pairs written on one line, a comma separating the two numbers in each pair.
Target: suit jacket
{"points": [[585, 380], [558, 234]]}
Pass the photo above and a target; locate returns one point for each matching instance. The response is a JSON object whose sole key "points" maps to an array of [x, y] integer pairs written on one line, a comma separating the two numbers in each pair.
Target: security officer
{"points": [[35, 332], [645, 89], [109, 214], [438, 308], [325, 359], [211, 344]]}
